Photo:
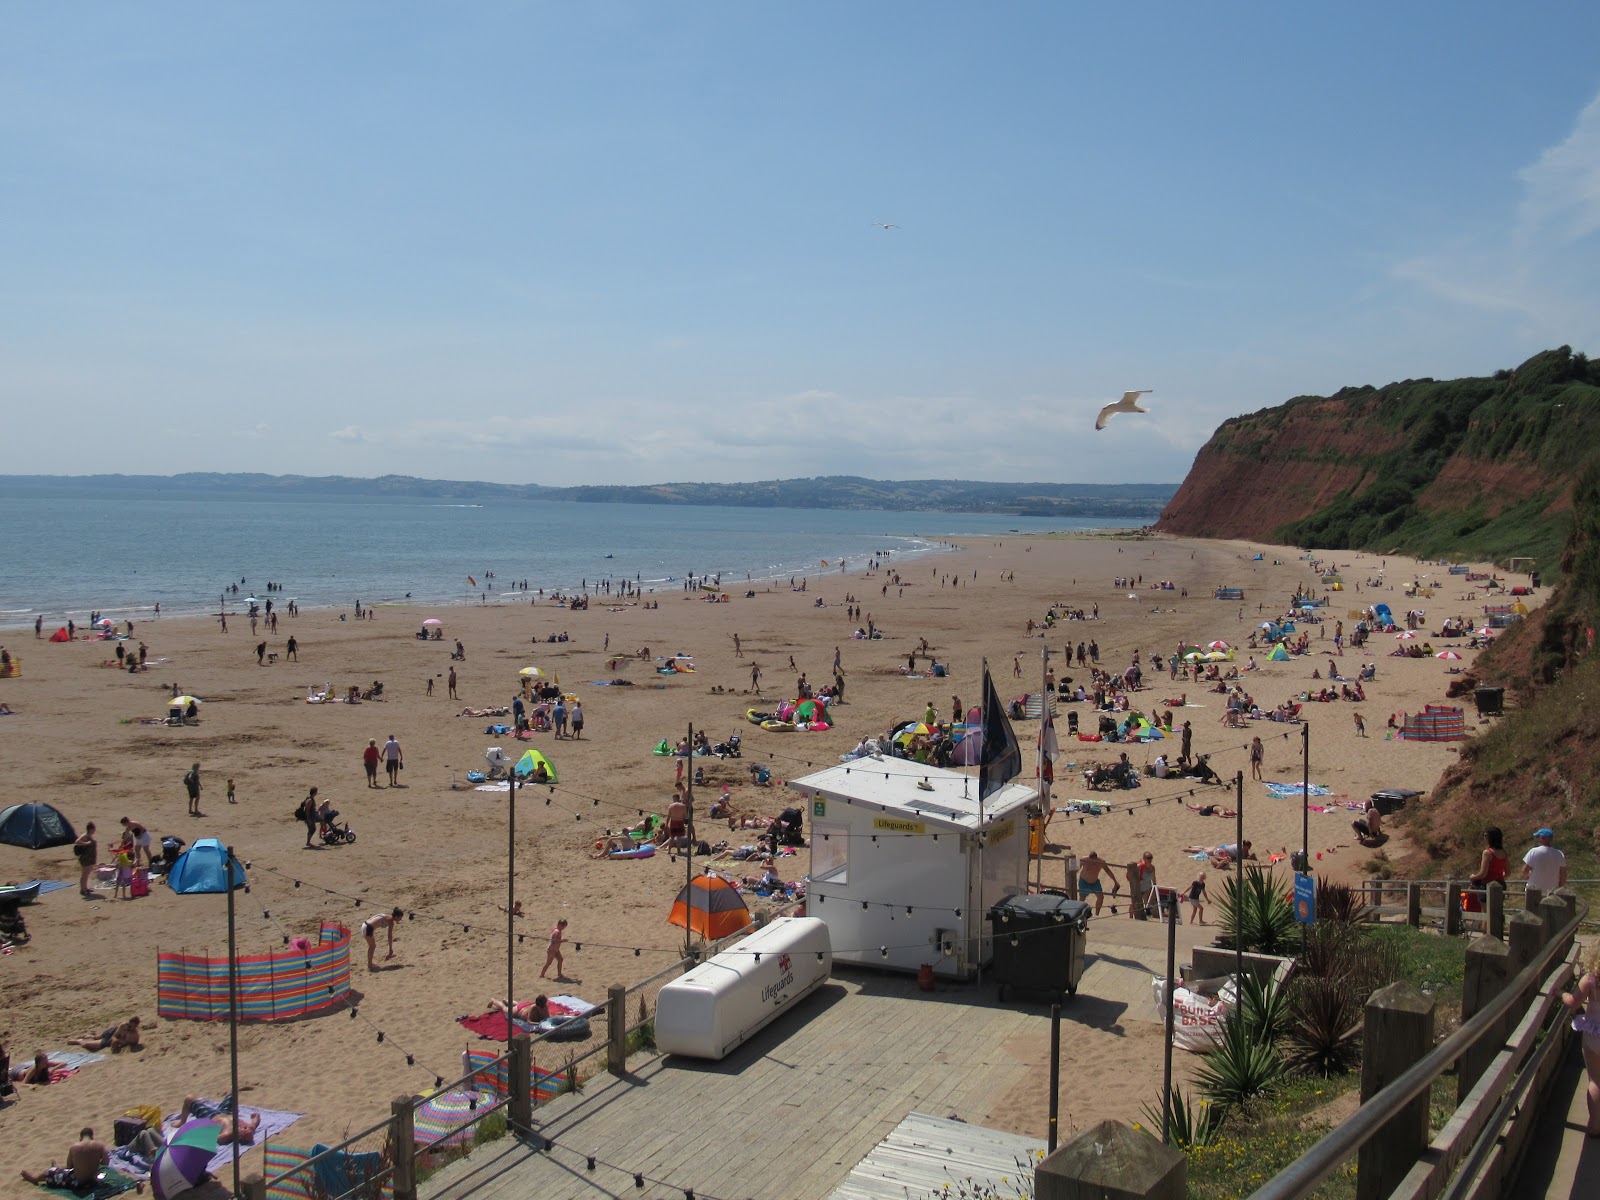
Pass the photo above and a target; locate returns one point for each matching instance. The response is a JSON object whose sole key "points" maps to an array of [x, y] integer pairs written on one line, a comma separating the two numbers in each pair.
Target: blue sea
{"points": [[67, 553]]}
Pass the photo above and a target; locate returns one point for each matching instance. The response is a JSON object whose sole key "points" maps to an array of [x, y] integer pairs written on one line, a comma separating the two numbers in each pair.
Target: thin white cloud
{"points": [[1562, 200], [350, 433]]}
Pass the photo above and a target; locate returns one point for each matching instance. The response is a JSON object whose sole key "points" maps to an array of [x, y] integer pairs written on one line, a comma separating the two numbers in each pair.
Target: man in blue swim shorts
{"points": [[1089, 882]]}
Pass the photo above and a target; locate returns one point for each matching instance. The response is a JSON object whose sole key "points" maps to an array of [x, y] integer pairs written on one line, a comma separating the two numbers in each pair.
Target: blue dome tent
{"points": [[35, 827], [202, 868]]}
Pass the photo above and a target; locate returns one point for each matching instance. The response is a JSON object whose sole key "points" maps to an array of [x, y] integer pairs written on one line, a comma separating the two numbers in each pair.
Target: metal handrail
{"points": [[1322, 1160]]}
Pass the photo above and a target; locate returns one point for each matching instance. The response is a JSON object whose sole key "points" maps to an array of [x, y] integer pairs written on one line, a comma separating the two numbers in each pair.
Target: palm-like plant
{"points": [[1243, 1065], [1325, 1037], [1264, 1003], [1193, 1124], [1261, 915]]}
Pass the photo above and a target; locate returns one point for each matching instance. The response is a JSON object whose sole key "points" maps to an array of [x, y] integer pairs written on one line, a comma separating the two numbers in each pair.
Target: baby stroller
{"points": [[727, 749], [499, 762]]}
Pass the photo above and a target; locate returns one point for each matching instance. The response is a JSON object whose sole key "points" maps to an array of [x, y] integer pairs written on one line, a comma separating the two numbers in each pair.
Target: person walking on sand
{"points": [[393, 760], [1257, 752], [1197, 900], [369, 760], [575, 714], [453, 695], [755, 678], [552, 952], [1361, 724], [307, 812], [191, 784], [738, 650], [1089, 882], [369, 930], [291, 652], [261, 654]]}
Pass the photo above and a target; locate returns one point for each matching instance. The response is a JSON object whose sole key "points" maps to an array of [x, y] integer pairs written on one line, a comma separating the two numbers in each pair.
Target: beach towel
{"points": [[272, 1124], [135, 1166], [112, 1183], [279, 1160], [74, 1060], [571, 1006], [1284, 790], [53, 885], [492, 1025]]}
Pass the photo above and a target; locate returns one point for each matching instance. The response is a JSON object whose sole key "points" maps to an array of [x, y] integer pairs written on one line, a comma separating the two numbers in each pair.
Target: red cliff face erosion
{"points": [[1262, 471]]}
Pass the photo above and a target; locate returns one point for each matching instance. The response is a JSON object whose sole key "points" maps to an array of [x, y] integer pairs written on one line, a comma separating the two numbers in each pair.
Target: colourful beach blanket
{"points": [[112, 1183], [1284, 790]]}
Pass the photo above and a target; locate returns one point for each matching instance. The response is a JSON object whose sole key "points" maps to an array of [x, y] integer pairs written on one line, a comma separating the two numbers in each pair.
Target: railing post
{"points": [[1452, 909], [1397, 1033], [1414, 905], [254, 1187], [1488, 970], [1553, 912], [1569, 906], [1112, 1161], [617, 1029], [403, 1146], [519, 1079], [1531, 898], [1496, 904]]}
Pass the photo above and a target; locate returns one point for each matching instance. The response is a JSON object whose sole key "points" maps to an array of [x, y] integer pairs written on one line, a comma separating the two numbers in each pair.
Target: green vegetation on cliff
{"points": [[1534, 429]]}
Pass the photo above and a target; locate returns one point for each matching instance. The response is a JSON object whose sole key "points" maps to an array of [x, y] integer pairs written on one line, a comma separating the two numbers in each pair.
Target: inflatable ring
{"points": [[563, 1029], [778, 726], [645, 851]]}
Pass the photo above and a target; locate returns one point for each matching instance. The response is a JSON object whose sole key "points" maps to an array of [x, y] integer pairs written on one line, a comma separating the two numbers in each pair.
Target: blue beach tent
{"points": [[35, 827], [201, 868]]}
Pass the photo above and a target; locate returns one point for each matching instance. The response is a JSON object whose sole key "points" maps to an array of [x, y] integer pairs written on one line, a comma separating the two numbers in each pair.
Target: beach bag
{"points": [[125, 1129], [141, 883]]}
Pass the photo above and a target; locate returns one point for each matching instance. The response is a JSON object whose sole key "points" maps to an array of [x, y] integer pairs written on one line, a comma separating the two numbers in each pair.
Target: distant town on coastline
{"points": [[1121, 501]]}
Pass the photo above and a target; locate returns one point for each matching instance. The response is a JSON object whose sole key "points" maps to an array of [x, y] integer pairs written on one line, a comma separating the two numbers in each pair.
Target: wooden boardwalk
{"points": [[787, 1115]]}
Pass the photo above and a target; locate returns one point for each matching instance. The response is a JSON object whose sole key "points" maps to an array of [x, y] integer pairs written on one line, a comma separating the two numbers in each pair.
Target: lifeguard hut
{"points": [[906, 861]]}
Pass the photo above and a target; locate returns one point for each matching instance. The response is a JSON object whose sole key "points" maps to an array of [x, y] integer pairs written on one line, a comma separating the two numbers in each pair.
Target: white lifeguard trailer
{"points": [[890, 835]]}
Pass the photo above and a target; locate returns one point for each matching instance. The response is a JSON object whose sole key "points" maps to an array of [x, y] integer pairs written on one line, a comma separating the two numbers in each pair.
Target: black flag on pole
{"points": [[1001, 760]]}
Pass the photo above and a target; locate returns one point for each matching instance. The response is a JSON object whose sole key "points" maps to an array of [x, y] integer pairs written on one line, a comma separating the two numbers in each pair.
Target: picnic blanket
{"points": [[73, 1060], [1284, 790], [53, 885], [112, 1183]]}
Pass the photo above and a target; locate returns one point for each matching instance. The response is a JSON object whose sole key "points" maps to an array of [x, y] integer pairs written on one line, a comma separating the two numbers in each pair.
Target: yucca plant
{"points": [[1325, 1036], [1264, 1003], [1262, 916], [1340, 903], [1193, 1123], [1244, 1065]]}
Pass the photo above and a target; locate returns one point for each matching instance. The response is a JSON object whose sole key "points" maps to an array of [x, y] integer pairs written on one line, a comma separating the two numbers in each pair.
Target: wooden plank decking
{"points": [[787, 1115]]}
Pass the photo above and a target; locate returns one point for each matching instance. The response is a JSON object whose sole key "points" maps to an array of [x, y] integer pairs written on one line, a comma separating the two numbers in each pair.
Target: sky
{"points": [[643, 242]]}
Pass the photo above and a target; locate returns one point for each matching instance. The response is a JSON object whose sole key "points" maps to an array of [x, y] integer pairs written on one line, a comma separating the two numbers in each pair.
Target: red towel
{"points": [[490, 1025]]}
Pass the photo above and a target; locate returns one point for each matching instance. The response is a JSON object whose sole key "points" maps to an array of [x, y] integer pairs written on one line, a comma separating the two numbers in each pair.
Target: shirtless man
{"points": [[85, 1160], [141, 840], [116, 1037], [1089, 883], [239, 1127], [537, 1009], [1370, 831], [677, 821], [369, 930]]}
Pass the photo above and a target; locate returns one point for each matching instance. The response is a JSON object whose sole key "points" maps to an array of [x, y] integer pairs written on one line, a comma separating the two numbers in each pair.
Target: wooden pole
{"points": [[1166, 1064], [233, 1008], [688, 850], [511, 905], [1238, 899]]}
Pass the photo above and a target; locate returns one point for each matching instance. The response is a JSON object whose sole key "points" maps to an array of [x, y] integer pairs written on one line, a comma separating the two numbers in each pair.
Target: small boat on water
{"points": [[24, 893]]}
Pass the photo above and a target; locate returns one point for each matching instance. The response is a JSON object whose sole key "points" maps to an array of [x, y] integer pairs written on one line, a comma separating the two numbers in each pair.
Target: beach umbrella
{"points": [[184, 701], [531, 672], [711, 907], [445, 1120], [182, 1162], [1408, 635], [104, 622], [1218, 645], [1485, 632], [1450, 654], [433, 621], [251, 600]]}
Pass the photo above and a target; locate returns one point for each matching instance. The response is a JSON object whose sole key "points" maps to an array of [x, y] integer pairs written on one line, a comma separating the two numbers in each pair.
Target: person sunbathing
{"points": [[613, 845], [1209, 810], [36, 1073], [535, 1010], [116, 1038]]}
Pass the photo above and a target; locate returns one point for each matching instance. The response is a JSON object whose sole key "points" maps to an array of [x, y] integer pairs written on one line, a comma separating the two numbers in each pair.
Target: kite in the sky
{"points": [[1128, 403]]}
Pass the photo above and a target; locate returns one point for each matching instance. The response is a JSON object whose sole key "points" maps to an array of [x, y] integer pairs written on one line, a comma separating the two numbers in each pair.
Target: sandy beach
{"points": [[436, 847]]}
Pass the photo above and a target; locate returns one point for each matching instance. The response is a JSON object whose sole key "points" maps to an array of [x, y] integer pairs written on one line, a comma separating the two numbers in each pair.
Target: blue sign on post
{"points": [[1305, 898]]}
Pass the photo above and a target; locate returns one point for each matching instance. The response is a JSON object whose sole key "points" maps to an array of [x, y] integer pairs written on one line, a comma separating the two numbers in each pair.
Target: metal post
{"points": [[1238, 899], [1166, 1067], [1055, 1073], [1305, 797], [511, 906], [688, 849], [1045, 695], [233, 1013]]}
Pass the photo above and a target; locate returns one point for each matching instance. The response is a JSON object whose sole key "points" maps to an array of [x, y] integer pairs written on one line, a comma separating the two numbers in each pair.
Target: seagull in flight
{"points": [[1128, 404], [884, 225]]}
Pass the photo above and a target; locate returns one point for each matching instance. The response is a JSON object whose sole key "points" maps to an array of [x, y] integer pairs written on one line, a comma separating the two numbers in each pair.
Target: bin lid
{"points": [[1395, 794], [1040, 907]]}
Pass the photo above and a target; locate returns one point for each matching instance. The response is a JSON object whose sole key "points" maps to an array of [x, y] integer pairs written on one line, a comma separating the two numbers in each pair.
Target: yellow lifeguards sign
{"points": [[891, 825], [1002, 831]]}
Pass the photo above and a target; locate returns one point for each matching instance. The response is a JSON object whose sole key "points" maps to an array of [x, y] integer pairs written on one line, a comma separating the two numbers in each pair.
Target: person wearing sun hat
{"points": [[1544, 866]]}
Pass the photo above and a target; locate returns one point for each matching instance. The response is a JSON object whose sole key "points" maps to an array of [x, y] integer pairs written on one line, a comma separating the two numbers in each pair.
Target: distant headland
{"points": [[1131, 502]]}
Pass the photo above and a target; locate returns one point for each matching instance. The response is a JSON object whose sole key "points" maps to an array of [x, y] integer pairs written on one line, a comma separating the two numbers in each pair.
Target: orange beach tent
{"points": [[711, 907]]}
